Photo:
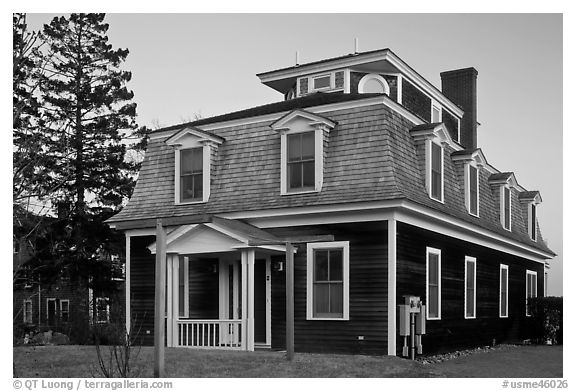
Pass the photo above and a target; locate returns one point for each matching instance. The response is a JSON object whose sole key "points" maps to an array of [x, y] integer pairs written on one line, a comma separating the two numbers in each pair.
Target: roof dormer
{"points": [[504, 182], [194, 151], [302, 138], [468, 163], [529, 200]]}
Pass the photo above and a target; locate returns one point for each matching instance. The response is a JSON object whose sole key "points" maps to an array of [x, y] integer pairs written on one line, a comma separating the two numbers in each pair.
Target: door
{"points": [[51, 311], [260, 301]]}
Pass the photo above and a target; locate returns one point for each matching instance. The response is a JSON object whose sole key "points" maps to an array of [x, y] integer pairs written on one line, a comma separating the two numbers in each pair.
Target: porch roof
{"points": [[218, 235]]}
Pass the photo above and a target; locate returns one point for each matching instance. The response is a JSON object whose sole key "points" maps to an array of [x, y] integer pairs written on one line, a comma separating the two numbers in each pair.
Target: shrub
{"points": [[547, 319]]}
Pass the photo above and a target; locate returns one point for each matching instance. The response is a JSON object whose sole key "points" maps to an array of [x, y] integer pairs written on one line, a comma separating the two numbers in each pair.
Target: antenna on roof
{"points": [[355, 45], [297, 59]]}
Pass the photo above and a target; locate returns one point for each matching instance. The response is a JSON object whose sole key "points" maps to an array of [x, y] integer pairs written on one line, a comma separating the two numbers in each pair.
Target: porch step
{"points": [[261, 346]]}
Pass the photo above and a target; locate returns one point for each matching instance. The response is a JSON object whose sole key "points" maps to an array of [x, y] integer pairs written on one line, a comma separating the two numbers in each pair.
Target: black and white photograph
{"points": [[287, 195]]}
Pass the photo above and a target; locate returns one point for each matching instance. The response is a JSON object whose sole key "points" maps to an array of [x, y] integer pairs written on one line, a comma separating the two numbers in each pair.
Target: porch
{"points": [[218, 286]]}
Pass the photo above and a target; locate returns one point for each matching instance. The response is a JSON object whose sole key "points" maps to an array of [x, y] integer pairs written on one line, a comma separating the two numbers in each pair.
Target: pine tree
{"points": [[90, 116]]}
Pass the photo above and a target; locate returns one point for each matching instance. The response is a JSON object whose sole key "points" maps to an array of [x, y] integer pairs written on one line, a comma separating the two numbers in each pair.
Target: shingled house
{"points": [[362, 150]]}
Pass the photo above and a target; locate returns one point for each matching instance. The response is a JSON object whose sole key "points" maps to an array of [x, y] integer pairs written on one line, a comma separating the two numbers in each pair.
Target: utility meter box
{"points": [[404, 324], [421, 321], [413, 302]]}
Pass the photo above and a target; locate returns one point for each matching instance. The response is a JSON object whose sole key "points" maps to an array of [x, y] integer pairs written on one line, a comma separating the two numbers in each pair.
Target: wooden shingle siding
{"points": [[453, 330], [368, 294], [416, 101]]}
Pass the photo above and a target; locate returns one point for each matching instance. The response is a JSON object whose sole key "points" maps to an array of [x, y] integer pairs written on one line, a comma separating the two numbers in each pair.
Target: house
{"points": [[367, 154], [44, 296]]}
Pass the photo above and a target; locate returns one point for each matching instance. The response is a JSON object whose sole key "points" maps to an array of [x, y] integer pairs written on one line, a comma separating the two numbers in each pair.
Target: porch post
{"points": [[250, 286], [159, 297], [169, 300], [244, 260], [175, 298]]}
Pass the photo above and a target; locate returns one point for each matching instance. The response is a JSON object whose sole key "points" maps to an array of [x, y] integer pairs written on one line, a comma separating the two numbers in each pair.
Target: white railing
{"points": [[209, 334]]}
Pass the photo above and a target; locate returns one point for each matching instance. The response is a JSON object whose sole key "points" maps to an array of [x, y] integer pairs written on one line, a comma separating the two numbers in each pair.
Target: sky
{"points": [[206, 64]]}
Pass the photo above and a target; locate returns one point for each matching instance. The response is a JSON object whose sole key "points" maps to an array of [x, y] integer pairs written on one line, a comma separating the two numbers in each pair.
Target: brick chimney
{"points": [[460, 87]]}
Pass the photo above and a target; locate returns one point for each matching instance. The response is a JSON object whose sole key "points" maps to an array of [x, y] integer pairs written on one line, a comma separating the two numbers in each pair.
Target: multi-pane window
{"points": [[27, 311], [470, 288], [301, 165], [503, 291], [531, 288], [506, 210], [64, 310], [433, 283], [473, 190], [436, 172], [328, 281], [191, 174]]}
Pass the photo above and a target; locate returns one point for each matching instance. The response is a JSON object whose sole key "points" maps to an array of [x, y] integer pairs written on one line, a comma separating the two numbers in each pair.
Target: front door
{"points": [[260, 301]]}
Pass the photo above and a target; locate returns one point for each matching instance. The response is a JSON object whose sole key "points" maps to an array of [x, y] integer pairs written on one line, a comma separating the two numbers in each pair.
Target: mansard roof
{"points": [[370, 156]]}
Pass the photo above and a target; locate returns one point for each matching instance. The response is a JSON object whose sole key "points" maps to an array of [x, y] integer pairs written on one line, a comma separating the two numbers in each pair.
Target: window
{"points": [[436, 172], [545, 283], [473, 194], [506, 208], [191, 174], [51, 311], [301, 166], [327, 281], [470, 288], [433, 283], [64, 310], [436, 114], [531, 289], [503, 291], [321, 82], [373, 84], [27, 311], [532, 221], [302, 139], [102, 312]]}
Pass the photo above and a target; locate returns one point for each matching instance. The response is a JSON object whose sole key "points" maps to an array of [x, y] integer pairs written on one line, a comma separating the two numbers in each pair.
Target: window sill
{"points": [[433, 318], [190, 202], [338, 319], [300, 192], [469, 317], [503, 316], [437, 200]]}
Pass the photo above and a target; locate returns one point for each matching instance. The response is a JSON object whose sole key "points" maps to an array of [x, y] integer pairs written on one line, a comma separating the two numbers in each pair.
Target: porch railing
{"points": [[209, 334]]}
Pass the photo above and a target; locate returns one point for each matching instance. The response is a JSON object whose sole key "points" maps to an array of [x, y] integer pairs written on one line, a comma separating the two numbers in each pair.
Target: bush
{"points": [[547, 319]]}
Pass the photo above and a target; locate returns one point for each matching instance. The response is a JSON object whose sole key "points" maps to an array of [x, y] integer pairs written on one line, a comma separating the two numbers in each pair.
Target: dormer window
{"points": [[193, 149], [301, 165], [302, 138], [532, 221], [472, 199], [436, 172], [505, 207], [191, 174]]}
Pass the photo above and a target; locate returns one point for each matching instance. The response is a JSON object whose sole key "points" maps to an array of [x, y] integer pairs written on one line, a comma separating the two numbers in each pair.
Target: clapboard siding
{"points": [[453, 330], [368, 294], [142, 278]]}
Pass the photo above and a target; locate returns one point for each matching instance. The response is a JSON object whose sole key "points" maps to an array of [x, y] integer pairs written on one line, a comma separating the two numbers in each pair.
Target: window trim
{"points": [[318, 161], [48, 300], [467, 260], [430, 250], [345, 247], [535, 274], [303, 188], [504, 267], [468, 193], [429, 170], [503, 207], [373, 76], [206, 149], [24, 318]]}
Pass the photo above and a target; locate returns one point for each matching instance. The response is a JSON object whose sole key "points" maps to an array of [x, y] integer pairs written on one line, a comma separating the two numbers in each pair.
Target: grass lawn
{"points": [[80, 361]]}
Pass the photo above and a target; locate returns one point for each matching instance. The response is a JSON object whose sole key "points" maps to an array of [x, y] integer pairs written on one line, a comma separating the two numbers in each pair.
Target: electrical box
{"points": [[413, 302], [404, 314], [421, 321]]}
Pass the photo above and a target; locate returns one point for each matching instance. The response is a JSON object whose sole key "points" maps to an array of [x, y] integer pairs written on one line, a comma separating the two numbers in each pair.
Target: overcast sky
{"points": [[187, 64]]}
